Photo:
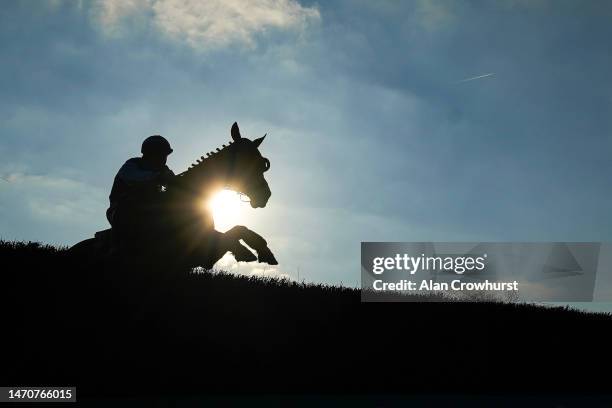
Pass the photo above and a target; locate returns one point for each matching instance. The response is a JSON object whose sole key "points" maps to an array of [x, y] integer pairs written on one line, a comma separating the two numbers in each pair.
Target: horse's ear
{"points": [[257, 142], [235, 132]]}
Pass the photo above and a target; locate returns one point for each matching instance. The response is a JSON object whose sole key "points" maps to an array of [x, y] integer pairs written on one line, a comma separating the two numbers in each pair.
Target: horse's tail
{"points": [[92, 247]]}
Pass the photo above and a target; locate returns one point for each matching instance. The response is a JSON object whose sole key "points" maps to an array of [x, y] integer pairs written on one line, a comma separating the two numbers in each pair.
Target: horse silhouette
{"points": [[183, 230]]}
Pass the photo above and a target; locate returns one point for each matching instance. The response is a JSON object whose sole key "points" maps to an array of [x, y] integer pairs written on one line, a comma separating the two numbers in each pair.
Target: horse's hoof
{"points": [[242, 254], [265, 255]]}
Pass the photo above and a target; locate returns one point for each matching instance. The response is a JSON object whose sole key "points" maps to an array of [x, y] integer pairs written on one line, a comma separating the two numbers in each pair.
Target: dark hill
{"points": [[147, 330]]}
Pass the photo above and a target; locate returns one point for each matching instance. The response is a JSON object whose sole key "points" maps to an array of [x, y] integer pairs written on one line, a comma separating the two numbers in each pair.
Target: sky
{"points": [[375, 132]]}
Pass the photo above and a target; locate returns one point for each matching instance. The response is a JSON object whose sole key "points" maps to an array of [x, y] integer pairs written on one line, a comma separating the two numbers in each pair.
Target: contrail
{"points": [[477, 77]]}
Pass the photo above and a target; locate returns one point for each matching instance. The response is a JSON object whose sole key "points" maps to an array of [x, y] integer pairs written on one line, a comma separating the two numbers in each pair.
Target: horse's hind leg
{"points": [[255, 241]]}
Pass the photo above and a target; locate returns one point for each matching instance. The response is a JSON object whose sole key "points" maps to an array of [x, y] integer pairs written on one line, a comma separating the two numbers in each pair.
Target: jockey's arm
{"points": [[165, 177]]}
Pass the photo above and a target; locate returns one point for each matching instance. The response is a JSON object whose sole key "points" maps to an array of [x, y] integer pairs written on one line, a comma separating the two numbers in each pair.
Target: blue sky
{"points": [[372, 136]]}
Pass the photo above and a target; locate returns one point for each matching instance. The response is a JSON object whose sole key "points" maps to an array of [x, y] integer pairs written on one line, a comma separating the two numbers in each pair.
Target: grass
{"points": [[149, 330]]}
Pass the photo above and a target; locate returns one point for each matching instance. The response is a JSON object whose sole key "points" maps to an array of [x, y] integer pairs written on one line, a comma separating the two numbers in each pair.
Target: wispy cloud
{"points": [[477, 77], [205, 25]]}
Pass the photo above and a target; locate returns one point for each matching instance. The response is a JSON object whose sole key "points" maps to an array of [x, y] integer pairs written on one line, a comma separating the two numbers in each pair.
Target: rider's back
{"points": [[135, 195]]}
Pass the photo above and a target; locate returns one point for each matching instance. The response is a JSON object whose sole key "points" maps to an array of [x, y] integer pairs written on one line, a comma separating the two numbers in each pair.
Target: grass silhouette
{"points": [[144, 329]]}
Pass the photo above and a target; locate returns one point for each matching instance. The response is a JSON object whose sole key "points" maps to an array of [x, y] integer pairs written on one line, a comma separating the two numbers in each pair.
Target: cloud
{"points": [[205, 25], [111, 13], [435, 14], [526, 4], [49, 207], [228, 264], [55, 198]]}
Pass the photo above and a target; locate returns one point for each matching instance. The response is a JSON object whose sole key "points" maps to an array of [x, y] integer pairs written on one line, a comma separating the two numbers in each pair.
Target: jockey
{"points": [[138, 186]]}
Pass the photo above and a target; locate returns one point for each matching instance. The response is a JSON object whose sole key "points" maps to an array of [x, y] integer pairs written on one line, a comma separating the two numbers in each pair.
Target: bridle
{"points": [[243, 196]]}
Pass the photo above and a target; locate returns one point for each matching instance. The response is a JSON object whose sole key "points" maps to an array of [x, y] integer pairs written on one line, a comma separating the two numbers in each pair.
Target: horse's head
{"points": [[247, 167], [239, 167]]}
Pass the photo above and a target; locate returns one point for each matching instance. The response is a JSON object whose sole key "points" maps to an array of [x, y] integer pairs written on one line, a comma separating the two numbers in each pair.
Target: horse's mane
{"points": [[205, 160]]}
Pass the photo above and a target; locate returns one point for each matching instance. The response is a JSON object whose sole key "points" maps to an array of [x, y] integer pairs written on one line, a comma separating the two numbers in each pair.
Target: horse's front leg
{"points": [[216, 244], [224, 242], [255, 241]]}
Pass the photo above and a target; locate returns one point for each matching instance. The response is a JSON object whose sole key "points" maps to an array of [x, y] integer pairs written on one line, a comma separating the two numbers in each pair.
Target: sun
{"points": [[227, 209]]}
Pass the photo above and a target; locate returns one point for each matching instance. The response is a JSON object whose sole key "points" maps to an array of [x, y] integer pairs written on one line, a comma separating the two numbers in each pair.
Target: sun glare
{"points": [[226, 207]]}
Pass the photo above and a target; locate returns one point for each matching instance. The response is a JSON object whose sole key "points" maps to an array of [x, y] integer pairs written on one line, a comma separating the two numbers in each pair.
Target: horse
{"points": [[186, 226]]}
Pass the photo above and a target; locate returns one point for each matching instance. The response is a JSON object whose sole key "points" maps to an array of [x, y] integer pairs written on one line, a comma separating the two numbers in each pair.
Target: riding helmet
{"points": [[156, 144]]}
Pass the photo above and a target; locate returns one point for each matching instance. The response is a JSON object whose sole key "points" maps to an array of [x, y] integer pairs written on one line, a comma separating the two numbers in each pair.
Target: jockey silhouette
{"points": [[137, 190]]}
